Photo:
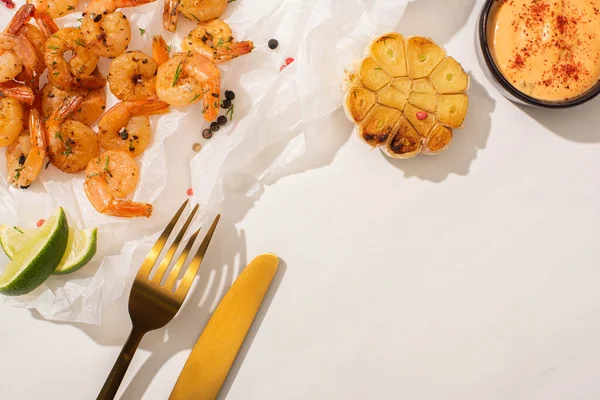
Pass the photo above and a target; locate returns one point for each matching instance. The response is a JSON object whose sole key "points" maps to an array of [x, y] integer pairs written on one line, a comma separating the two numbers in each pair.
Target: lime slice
{"points": [[12, 238], [81, 247], [39, 256]]}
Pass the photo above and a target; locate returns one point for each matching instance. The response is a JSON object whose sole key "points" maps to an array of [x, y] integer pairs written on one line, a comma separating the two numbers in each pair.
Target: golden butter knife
{"points": [[210, 361]]}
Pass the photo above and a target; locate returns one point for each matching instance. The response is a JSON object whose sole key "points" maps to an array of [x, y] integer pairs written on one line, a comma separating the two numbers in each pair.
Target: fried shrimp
{"points": [[188, 78], [25, 156], [71, 144], [111, 177], [214, 40], [126, 126], [75, 73], [132, 76], [12, 95], [16, 54], [202, 10], [107, 32], [89, 111]]}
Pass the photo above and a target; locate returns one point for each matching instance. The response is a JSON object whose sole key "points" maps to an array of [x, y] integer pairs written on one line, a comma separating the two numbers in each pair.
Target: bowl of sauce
{"points": [[542, 53]]}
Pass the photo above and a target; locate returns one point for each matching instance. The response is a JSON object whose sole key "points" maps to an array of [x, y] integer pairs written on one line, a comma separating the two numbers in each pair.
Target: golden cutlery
{"points": [[210, 361], [152, 304]]}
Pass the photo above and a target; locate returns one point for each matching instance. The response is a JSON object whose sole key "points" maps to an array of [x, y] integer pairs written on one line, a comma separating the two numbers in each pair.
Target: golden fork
{"points": [[152, 304]]}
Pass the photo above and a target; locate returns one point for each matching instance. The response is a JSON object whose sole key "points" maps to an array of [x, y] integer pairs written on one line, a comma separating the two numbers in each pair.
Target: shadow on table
{"points": [[578, 124], [443, 18], [466, 143]]}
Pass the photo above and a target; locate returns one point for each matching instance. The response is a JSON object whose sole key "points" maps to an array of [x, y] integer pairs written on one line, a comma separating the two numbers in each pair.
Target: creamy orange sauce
{"points": [[547, 49]]}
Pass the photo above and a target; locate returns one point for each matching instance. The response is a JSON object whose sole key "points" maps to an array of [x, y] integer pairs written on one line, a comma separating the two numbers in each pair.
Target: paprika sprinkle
{"points": [[547, 49]]}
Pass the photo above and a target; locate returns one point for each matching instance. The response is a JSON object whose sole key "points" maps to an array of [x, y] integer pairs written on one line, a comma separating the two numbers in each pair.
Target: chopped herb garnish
{"points": [[56, 73], [18, 172], [230, 112], [79, 19], [230, 1], [70, 8], [196, 18], [92, 175], [80, 42], [195, 97], [17, 229], [168, 48], [377, 69], [177, 73], [131, 148], [106, 164], [142, 31]]}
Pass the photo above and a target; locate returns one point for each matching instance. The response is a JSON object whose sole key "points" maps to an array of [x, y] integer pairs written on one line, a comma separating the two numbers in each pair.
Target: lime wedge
{"points": [[12, 238], [81, 247], [38, 257]]}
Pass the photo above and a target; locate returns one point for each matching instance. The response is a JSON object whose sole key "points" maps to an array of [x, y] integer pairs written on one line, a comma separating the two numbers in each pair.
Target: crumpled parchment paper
{"points": [[275, 110]]}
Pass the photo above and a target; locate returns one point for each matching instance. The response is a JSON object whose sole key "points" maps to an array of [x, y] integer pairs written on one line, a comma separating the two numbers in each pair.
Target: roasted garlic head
{"points": [[406, 95]]}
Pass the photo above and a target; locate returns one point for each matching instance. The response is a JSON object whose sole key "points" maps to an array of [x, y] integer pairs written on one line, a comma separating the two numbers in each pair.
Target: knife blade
{"points": [[213, 355]]}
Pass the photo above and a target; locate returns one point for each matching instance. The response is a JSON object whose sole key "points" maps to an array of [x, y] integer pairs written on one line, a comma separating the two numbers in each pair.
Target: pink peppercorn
{"points": [[190, 192], [422, 115], [40, 222]]}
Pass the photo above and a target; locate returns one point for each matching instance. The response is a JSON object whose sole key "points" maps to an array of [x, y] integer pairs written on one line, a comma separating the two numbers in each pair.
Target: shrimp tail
{"points": [[146, 107], [46, 23], [233, 51], [128, 209], [130, 3], [22, 17], [90, 82], [160, 51], [36, 129], [170, 15], [17, 91], [67, 107]]}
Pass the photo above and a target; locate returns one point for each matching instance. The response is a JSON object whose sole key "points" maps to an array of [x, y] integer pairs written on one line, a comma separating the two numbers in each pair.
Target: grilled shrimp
{"points": [[11, 110], [214, 40], [126, 126], [132, 76], [111, 177], [200, 10], [16, 54], [75, 73], [89, 111], [71, 144], [107, 32], [186, 79], [25, 156]]}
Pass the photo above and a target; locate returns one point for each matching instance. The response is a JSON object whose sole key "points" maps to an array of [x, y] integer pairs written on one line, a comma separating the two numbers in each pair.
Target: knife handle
{"points": [[214, 353]]}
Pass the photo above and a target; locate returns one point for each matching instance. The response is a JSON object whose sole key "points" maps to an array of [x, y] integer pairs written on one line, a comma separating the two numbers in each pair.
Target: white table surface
{"points": [[471, 275]]}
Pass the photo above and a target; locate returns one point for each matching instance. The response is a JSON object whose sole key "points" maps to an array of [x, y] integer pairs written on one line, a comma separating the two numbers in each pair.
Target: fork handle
{"points": [[109, 390]]}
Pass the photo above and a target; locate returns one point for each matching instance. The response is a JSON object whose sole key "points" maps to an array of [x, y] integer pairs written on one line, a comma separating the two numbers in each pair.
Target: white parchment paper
{"points": [[276, 110]]}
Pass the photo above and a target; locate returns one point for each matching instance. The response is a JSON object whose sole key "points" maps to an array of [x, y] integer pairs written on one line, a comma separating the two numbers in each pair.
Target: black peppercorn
{"points": [[229, 95], [273, 43], [214, 126], [206, 134], [226, 103], [222, 120], [22, 159]]}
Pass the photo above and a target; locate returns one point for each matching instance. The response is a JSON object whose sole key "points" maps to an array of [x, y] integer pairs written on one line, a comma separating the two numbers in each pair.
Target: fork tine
{"points": [[150, 259], [180, 261], [192, 270], [164, 264]]}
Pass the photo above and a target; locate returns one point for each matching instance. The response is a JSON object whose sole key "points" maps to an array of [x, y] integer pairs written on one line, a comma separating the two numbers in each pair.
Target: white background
{"points": [[470, 275]]}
